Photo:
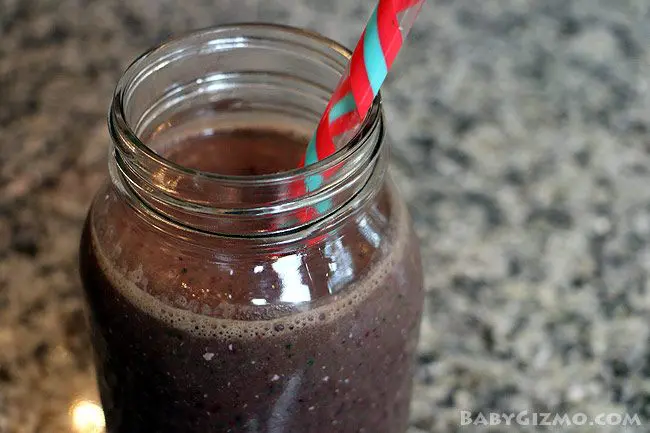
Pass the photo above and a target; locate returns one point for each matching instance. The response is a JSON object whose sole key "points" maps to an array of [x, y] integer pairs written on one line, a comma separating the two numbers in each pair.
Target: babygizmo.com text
{"points": [[468, 418]]}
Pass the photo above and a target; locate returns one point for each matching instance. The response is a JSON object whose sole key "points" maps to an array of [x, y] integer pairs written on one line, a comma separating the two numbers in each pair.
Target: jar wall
{"points": [[323, 328]]}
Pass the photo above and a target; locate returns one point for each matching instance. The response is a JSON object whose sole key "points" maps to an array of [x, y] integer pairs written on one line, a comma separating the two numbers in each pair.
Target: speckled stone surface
{"points": [[520, 139]]}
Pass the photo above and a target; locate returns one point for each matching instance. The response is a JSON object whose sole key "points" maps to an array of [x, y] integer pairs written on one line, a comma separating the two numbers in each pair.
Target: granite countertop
{"points": [[520, 140]]}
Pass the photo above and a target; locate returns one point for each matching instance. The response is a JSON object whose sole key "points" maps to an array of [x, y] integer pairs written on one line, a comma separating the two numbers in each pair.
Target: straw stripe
{"points": [[373, 56], [359, 81], [342, 124], [324, 144], [324, 206], [389, 33], [311, 157], [343, 89], [314, 182], [344, 106]]}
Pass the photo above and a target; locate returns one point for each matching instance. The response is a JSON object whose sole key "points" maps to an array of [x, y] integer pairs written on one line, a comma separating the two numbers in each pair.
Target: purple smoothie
{"points": [[200, 333]]}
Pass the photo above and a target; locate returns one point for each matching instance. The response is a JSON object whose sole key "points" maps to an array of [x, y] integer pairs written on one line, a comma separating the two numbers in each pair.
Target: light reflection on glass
{"points": [[259, 301], [340, 265], [293, 289], [166, 182], [87, 417], [369, 232]]}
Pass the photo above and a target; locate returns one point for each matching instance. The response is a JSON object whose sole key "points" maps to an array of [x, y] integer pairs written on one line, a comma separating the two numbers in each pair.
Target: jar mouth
{"points": [[284, 74], [124, 134]]}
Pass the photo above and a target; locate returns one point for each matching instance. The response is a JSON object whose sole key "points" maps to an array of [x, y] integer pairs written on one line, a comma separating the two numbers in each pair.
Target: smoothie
{"points": [[202, 333]]}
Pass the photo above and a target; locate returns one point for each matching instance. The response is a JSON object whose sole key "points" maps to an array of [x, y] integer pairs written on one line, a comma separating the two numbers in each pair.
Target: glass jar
{"points": [[215, 305]]}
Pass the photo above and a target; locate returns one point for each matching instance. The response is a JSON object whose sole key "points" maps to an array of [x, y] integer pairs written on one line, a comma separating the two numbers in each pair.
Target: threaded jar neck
{"points": [[245, 76]]}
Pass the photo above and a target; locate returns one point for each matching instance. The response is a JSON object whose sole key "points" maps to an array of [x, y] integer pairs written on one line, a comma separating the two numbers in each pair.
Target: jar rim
{"points": [[125, 136]]}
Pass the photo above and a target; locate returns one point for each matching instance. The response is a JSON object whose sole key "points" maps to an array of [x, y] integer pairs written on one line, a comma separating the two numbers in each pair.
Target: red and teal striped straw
{"points": [[371, 60]]}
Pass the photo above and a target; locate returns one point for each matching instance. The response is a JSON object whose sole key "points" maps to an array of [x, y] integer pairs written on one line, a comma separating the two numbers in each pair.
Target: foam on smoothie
{"points": [[129, 283]]}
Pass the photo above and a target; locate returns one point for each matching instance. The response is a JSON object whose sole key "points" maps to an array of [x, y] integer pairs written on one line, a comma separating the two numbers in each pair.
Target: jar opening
{"points": [[250, 77]]}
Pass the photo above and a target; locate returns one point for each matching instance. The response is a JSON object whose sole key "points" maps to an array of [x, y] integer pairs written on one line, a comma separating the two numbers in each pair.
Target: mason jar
{"points": [[223, 295]]}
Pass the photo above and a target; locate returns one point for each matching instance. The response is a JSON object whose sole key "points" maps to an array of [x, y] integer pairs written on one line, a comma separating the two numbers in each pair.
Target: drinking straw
{"points": [[371, 60], [348, 106]]}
